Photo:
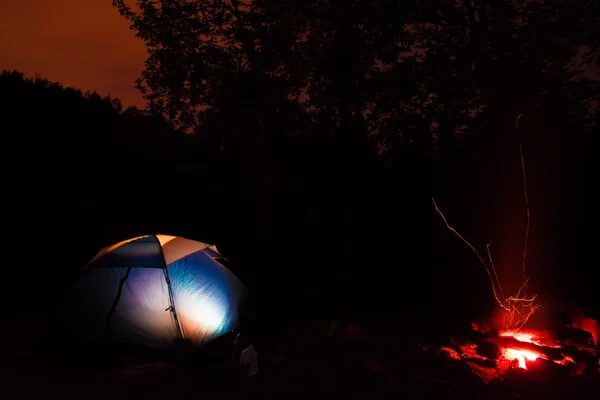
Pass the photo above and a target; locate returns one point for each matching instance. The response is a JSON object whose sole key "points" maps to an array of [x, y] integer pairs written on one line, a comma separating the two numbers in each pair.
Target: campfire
{"points": [[493, 354]]}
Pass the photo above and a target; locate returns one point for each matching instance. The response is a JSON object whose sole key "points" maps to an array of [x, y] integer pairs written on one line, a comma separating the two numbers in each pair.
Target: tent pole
{"points": [[172, 305]]}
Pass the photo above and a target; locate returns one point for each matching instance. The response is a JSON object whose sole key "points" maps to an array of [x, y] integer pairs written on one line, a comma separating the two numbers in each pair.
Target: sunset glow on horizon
{"points": [[82, 44]]}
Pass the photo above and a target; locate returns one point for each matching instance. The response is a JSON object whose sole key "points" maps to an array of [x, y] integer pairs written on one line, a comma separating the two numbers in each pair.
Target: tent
{"points": [[154, 291]]}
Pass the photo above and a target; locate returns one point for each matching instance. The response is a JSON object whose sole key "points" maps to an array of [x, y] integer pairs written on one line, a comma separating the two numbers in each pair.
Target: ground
{"points": [[313, 367]]}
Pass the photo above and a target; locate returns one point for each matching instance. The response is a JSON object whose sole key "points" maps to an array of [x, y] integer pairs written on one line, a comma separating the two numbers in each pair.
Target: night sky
{"points": [[85, 44]]}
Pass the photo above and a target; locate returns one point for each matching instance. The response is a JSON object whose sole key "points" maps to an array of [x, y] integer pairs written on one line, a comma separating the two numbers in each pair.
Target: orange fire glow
{"points": [[519, 346], [522, 336], [518, 308], [529, 346], [521, 349], [524, 356], [530, 336], [521, 355]]}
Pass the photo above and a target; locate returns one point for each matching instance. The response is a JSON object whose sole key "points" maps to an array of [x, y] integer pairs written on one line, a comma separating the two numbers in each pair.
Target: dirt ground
{"points": [[313, 366]]}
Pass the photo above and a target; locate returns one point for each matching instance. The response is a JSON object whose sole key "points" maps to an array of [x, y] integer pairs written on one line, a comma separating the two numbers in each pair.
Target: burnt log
{"points": [[589, 357], [579, 355], [550, 353], [473, 336], [488, 350], [575, 336]]}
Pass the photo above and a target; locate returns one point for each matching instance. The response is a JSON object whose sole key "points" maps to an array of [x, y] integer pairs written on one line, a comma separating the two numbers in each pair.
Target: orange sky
{"points": [[81, 43]]}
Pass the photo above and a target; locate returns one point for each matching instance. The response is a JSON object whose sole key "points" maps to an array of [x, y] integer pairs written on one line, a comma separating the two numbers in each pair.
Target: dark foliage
{"points": [[306, 141]]}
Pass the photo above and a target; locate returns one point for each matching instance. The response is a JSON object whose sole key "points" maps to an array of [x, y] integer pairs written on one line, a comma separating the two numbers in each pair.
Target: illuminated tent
{"points": [[154, 290]]}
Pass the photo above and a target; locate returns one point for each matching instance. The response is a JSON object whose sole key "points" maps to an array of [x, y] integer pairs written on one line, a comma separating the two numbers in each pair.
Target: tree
{"points": [[340, 91], [248, 68], [486, 63], [498, 65], [217, 63]]}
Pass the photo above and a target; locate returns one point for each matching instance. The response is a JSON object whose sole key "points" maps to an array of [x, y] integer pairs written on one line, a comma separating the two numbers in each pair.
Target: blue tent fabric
{"points": [[206, 298], [131, 294]]}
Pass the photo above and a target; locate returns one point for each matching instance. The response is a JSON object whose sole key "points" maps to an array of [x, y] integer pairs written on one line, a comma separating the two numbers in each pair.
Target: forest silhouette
{"points": [[307, 140]]}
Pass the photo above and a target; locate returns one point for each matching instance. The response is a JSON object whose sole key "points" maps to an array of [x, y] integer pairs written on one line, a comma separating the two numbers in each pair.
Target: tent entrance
{"points": [[147, 309]]}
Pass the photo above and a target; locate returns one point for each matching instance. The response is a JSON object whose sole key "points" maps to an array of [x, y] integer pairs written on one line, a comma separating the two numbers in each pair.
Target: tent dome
{"points": [[152, 291]]}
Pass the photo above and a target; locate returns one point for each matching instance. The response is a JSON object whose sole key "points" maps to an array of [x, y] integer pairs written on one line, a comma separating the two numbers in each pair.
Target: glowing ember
{"points": [[494, 354], [451, 353], [530, 336], [521, 355], [520, 336]]}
